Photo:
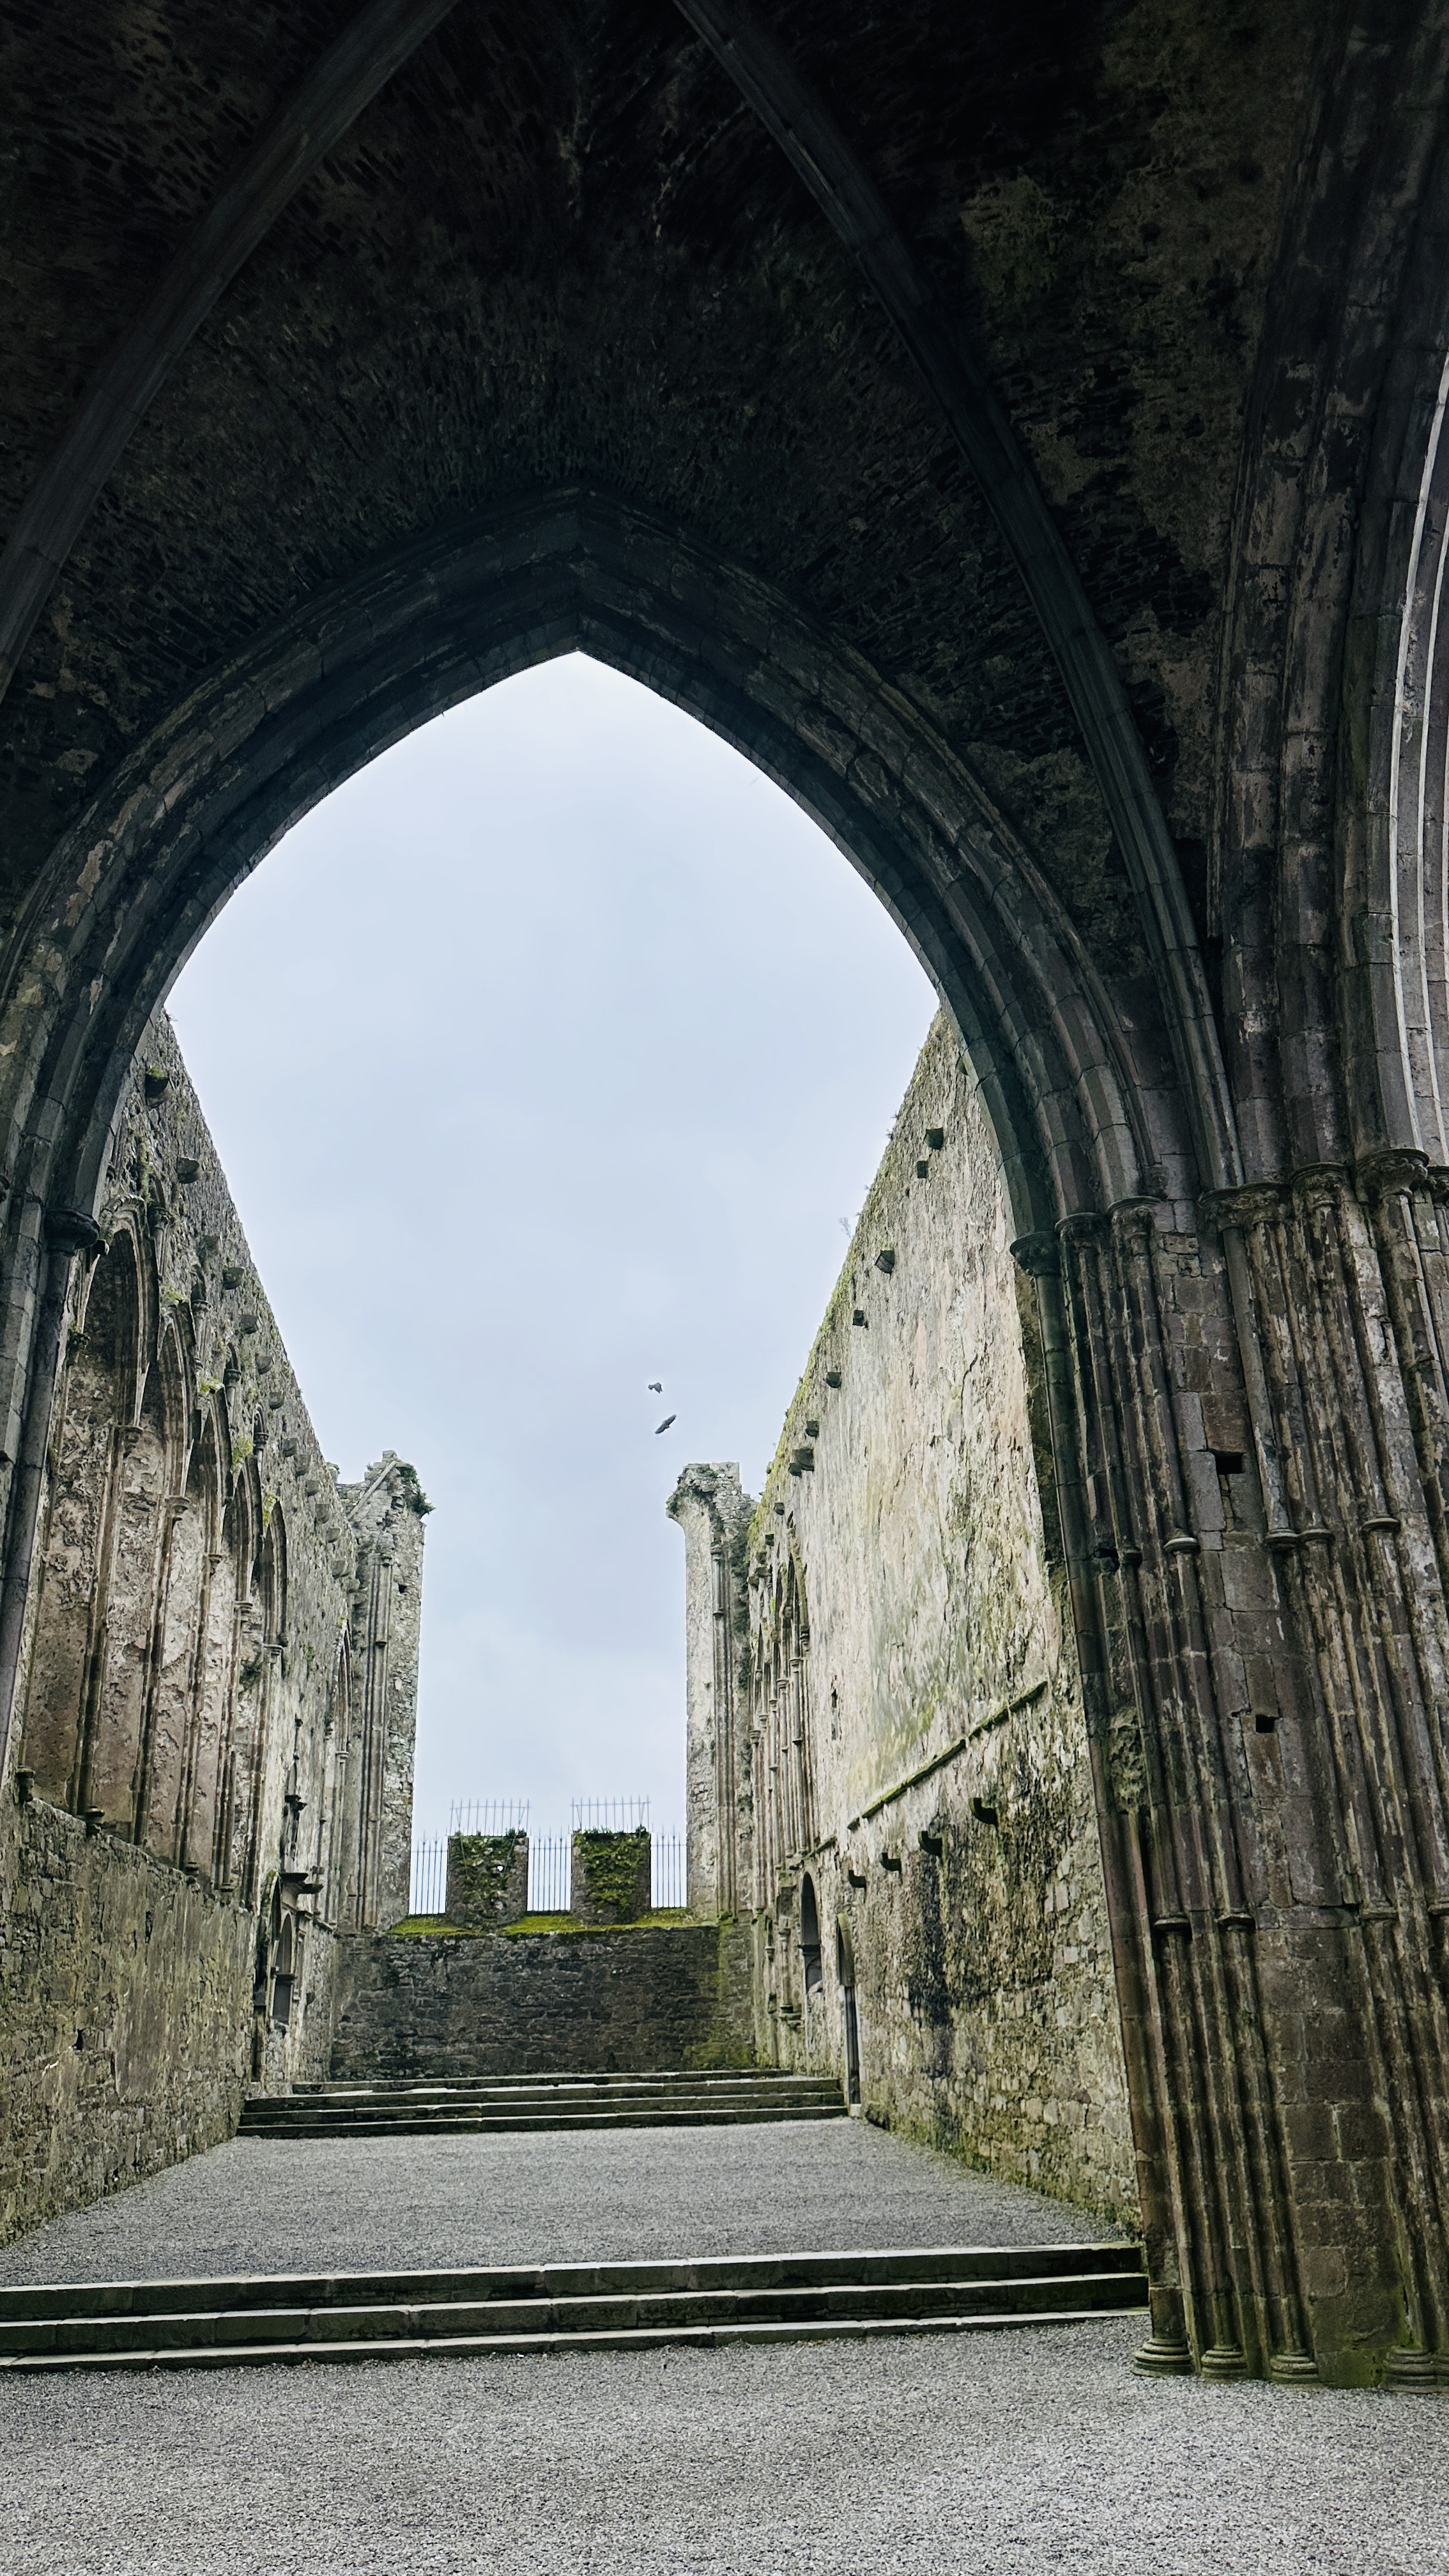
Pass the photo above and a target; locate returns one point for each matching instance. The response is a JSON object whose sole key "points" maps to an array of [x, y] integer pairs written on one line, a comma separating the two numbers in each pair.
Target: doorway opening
{"points": [[845, 1970]]}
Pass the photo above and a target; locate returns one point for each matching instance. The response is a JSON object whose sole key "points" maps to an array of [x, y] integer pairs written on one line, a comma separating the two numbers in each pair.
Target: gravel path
{"points": [[375, 2204], [989, 2455]]}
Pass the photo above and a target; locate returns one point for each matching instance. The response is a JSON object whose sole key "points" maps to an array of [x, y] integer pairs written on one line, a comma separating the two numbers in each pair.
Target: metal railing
{"points": [[610, 1815], [489, 1816], [550, 1860], [670, 1892], [429, 1887], [548, 1873]]}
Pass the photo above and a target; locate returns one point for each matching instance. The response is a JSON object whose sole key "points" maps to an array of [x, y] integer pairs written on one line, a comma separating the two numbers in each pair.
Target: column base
{"points": [[1420, 2372], [1224, 2361], [1163, 2357], [1294, 2370]]}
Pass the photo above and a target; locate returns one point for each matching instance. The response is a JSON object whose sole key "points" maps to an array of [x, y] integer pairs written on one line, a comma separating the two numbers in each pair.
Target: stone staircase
{"points": [[447, 2104], [761, 2298]]}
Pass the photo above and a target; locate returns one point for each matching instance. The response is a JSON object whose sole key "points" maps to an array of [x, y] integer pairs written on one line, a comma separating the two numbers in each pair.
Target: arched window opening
{"points": [[169, 1716], [284, 1974], [114, 1743], [335, 1837], [783, 1730], [247, 1691], [94, 1401], [810, 1937], [272, 1580], [199, 1808], [845, 1970]]}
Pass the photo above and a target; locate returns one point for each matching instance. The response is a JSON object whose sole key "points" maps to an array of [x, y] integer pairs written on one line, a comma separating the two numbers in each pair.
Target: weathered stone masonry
{"points": [[212, 1780], [1023, 434], [535, 2003], [885, 1704]]}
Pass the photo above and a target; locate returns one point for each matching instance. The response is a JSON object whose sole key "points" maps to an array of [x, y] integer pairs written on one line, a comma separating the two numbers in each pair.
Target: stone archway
{"points": [[1230, 1215], [132, 888]]}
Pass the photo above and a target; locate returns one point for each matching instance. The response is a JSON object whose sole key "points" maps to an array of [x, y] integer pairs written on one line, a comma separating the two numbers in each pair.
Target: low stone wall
{"points": [[127, 2026], [543, 2003], [125, 2016]]}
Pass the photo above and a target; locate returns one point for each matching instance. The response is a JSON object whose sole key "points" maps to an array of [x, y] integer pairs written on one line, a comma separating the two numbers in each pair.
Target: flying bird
{"points": [[656, 1386], [664, 1425]]}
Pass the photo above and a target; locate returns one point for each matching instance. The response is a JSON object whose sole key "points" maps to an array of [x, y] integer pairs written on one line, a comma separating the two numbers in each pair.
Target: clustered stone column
{"points": [[1263, 1656]]}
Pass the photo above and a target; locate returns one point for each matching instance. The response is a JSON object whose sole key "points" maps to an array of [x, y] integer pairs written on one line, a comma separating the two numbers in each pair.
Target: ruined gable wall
{"points": [[212, 1776], [907, 1627]]}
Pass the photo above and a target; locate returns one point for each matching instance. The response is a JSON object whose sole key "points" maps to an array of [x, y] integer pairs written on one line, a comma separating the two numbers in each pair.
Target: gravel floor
{"points": [[1003, 2454], [375, 2204]]}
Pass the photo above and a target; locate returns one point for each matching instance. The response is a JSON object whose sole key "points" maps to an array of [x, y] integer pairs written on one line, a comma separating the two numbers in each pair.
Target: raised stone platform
{"points": [[620, 1999]]}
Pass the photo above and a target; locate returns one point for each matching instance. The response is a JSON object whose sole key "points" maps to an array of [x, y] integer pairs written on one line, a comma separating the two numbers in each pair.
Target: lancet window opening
{"points": [[786, 1827]]}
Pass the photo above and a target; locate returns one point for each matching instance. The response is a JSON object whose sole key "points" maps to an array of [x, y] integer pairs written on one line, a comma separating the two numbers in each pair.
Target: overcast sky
{"points": [[544, 1059]]}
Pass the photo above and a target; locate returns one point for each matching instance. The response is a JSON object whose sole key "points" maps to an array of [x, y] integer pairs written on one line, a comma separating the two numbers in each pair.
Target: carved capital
{"points": [[1256, 1203], [1395, 1172], [1322, 1185], [1037, 1255], [1133, 1218], [71, 1230], [1084, 1225]]}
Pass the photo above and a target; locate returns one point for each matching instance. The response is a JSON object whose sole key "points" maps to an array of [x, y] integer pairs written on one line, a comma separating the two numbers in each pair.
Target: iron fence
{"points": [[611, 1815], [670, 1891], [428, 1891], [549, 1864], [548, 1873], [489, 1816]]}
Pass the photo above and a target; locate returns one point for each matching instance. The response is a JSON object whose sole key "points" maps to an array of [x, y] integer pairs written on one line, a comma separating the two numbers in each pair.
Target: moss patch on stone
{"points": [[430, 1927]]}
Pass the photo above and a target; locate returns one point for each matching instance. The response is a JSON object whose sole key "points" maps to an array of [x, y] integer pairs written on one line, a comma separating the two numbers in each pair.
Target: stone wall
{"points": [[915, 1835], [645, 1997], [217, 1697]]}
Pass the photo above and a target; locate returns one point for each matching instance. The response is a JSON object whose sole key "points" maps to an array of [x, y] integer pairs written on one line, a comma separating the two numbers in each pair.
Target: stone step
{"points": [[549, 2076], [508, 2088], [362, 2123], [446, 2097], [439, 2089], [563, 2087], [563, 2307], [441, 2103]]}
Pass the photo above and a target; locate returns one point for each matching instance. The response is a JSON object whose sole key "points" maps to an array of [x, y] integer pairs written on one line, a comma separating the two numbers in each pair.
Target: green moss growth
{"points": [[481, 1874], [611, 1870], [430, 1927]]}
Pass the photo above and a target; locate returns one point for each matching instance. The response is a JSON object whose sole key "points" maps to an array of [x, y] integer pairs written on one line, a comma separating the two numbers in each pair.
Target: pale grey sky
{"points": [[544, 1059]]}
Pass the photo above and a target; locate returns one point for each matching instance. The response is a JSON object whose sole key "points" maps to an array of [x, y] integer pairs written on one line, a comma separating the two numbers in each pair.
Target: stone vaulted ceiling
{"points": [[558, 247]]}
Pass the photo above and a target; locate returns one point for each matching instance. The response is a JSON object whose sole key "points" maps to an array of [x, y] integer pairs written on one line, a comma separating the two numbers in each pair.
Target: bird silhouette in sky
{"points": [[664, 1425], [656, 1386]]}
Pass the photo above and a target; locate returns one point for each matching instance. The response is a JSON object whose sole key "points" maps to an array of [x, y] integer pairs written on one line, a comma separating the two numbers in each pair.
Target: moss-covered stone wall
{"points": [[610, 1877], [487, 1879]]}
